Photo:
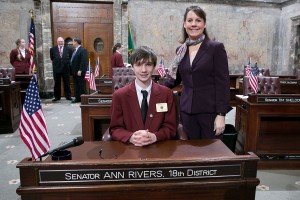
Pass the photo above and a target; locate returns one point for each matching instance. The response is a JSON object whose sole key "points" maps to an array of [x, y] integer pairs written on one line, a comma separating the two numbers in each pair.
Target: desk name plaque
{"points": [[105, 82], [278, 99], [100, 101], [290, 82], [138, 174], [4, 81]]}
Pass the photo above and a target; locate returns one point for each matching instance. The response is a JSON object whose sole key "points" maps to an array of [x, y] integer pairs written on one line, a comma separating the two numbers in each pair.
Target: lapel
{"points": [[202, 50], [135, 107], [57, 50], [154, 99], [65, 51], [77, 52]]}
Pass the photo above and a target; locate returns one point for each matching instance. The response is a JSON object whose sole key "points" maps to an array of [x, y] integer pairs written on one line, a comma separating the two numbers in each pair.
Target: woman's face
{"points": [[23, 43], [194, 25], [120, 49]]}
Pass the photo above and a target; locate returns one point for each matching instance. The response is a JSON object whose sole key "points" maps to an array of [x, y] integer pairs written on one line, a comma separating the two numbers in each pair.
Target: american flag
{"points": [[32, 127], [89, 76], [253, 80], [88, 72], [31, 38], [92, 82], [97, 68], [161, 69]]}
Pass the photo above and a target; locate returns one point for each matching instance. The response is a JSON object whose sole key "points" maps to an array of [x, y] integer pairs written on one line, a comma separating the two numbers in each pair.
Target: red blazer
{"points": [[116, 61], [126, 115], [22, 66]]}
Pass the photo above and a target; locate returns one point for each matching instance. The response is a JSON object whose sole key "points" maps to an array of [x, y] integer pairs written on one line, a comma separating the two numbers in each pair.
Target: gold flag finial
{"points": [[31, 13]]}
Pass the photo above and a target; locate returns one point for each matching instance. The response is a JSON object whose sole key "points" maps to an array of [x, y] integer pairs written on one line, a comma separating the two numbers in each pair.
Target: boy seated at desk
{"points": [[143, 112]]}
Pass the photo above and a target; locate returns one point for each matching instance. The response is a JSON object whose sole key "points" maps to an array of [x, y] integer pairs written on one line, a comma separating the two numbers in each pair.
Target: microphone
{"points": [[75, 142], [103, 76]]}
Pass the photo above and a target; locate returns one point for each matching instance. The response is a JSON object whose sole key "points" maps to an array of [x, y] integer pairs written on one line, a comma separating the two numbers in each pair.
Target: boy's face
{"points": [[143, 70]]}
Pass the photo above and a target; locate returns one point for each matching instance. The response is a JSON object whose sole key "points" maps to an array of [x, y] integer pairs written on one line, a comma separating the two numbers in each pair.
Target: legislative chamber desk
{"points": [[10, 106], [174, 169], [95, 115], [269, 126]]}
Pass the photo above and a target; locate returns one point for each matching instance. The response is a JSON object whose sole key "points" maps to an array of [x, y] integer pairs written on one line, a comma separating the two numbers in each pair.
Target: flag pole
{"points": [[31, 13], [32, 17], [90, 69], [31, 43]]}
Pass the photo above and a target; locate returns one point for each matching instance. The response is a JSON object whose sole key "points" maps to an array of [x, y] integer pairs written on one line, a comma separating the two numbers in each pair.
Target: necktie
{"points": [[144, 105], [60, 51]]}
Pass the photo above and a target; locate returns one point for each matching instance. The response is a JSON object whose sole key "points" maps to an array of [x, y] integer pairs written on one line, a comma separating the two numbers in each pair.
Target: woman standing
{"points": [[116, 59], [20, 57], [202, 67]]}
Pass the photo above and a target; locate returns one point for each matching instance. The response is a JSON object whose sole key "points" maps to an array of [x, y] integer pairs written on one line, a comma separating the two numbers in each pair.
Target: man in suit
{"points": [[143, 112], [79, 63], [60, 56]]}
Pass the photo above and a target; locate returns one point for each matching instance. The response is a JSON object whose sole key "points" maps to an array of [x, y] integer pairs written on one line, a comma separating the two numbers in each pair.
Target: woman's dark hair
{"points": [[18, 42], [144, 54], [118, 45], [200, 13]]}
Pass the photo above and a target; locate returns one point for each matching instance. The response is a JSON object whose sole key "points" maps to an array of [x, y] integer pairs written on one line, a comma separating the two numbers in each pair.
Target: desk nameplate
{"points": [[4, 81], [105, 82], [138, 174], [278, 99], [290, 82], [100, 101]]}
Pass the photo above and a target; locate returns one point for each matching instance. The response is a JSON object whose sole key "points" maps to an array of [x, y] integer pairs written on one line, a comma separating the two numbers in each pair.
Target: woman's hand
{"points": [[219, 125]]}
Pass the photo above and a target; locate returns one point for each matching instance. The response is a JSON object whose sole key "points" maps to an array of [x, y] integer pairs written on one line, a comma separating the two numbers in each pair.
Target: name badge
{"points": [[161, 107]]}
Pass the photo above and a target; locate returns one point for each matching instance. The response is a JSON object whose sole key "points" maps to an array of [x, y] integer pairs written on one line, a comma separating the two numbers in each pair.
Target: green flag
{"points": [[130, 42]]}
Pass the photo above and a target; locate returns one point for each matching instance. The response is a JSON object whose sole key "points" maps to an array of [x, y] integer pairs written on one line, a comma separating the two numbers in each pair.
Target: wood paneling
{"points": [[88, 21], [82, 12], [104, 32]]}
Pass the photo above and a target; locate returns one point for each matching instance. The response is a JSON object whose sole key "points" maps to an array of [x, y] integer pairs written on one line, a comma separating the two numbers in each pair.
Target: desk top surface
{"points": [[170, 150], [165, 151]]}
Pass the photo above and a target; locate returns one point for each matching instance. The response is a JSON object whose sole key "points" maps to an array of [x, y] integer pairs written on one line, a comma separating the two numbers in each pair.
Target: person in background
{"points": [[116, 59], [143, 112], [20, 57], [201, 65], [79, 64], [60, 56]]}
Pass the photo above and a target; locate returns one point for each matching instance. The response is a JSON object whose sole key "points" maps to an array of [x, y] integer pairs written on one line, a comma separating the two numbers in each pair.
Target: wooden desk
{"points": [[269, 126], [24, 80], [10, 107], [234, 87], [95, 115], [174, 169], [104, 85]]}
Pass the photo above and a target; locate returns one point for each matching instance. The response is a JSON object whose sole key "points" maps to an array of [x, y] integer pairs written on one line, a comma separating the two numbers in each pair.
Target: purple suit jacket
{"points": [[126, 115], [206, 84]]}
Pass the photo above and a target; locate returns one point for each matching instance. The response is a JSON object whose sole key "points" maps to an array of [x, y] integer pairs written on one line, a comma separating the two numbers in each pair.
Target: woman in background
{"points": [[201, 65], [116, 59], [20, 57]]}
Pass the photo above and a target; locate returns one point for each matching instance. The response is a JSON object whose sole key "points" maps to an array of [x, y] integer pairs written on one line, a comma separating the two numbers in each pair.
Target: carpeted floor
{"points": [[64, 123]]}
